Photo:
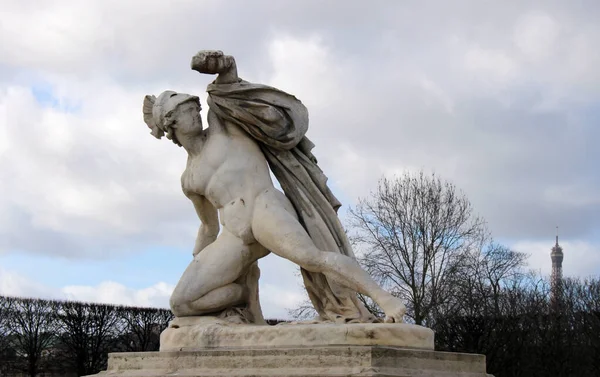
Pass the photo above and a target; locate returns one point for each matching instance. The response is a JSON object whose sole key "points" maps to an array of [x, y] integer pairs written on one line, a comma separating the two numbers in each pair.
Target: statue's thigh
{"points": [[219, 264]]}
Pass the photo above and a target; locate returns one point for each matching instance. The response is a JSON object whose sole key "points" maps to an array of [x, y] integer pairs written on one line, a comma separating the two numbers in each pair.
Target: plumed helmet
{"points": [[158, 111]]}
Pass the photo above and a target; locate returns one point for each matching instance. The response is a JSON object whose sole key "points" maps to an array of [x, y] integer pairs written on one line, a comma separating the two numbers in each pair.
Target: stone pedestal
{"points": [[193, 333], [297, 362], [207, 347]]}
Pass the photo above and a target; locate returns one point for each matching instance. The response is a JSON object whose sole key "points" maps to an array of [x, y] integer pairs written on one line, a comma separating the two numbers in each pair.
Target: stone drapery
{"points": [[279, 121]]}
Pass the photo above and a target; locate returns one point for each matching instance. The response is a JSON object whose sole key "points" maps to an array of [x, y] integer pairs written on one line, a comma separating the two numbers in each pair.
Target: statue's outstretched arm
{"points": [[215, 62], [209, 216]]}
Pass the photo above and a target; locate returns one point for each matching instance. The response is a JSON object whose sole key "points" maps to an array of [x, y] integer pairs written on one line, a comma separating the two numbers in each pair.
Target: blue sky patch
{"points": [[45, 96], [135, 270]]}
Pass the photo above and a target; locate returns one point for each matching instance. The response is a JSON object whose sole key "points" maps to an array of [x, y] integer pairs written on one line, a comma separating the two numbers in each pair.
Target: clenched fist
{"points": [[212, 62]]}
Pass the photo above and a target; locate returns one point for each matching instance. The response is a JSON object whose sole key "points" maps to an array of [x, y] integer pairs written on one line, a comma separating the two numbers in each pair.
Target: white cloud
{"points": [[109, 292], [106, 292], [501, 100], [276, 301], [384, 107], [13, 284], [572, 195], [280, 290], [91, 172], [491, 66], [299, 63], [281, 286], [438, 94], [536, 35], [75, 39]]}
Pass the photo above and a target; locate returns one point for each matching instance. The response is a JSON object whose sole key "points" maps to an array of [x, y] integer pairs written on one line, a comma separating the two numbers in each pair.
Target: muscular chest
{"points": [[211, 175], [229, 167], [201, 168], [196, 177]]}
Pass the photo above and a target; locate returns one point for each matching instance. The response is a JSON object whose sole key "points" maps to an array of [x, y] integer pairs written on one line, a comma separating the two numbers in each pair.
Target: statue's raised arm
{"points": [[215, 62]]}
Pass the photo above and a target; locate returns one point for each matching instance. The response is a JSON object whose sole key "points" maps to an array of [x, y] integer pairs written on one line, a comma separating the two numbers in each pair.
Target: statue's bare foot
{"points": [[394, 309]]}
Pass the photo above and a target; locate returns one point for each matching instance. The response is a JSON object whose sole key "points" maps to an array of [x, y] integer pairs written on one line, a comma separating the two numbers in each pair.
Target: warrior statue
{"points": [[254, 129]]}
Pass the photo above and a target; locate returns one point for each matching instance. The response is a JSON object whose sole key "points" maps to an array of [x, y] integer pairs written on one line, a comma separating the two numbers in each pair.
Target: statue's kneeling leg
{"points": [[213, 302], [210, 282]]}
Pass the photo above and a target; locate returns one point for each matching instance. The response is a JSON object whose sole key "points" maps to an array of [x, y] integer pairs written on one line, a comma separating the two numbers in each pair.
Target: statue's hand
{"points": [[211, 62]]}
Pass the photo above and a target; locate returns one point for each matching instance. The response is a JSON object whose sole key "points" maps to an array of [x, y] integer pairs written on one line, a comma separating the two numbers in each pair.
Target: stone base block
{"points": [[193, 333], [297, 362]]}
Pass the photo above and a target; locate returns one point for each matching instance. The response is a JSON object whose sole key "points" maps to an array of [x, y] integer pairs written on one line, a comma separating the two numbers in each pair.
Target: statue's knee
{"points": [[180, 303], [177, 306]]}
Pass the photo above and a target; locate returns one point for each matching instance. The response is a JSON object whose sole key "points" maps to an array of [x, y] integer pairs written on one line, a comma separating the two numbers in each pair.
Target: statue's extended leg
{"points": [[210, 282], [279, 231]]}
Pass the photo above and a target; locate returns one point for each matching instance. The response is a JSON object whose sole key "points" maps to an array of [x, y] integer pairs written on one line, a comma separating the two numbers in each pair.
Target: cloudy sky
{"points": [[500, 97]]}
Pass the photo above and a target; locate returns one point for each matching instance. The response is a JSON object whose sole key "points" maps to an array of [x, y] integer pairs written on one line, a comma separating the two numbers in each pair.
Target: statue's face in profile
{"points": [[186, 117]]}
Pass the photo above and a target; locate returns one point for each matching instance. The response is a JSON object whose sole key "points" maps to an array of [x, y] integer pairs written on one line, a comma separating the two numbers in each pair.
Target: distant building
{"points": [[557, 257]]}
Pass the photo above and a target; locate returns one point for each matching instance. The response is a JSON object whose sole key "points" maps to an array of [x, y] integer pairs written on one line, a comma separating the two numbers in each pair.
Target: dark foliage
{"points": [[524, 333], [413, 232], [72, 338], [419, 238]]}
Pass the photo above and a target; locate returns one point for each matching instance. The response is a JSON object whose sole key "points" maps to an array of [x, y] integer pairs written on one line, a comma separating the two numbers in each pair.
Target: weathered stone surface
{"points": [[189, 333], [255, 130], [316, 361]]}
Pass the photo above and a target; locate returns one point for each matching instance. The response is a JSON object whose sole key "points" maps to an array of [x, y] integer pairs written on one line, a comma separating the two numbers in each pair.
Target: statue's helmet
{"points": [[158, 111]]}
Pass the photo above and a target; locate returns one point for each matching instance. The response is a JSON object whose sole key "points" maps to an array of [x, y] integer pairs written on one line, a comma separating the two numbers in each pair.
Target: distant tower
{"points": [[557, 259]]}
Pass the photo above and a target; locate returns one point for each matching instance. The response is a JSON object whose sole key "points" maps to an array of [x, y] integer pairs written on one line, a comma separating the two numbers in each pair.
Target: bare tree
{"points": [[143, 327], [304, 311], [478, 285], [6, 311], [87, 335], [6, 307], [415, 230], [33, 325]]}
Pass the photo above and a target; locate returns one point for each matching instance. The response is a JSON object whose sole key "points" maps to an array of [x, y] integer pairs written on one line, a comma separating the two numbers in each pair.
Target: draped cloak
{"points": [[278, 121]]}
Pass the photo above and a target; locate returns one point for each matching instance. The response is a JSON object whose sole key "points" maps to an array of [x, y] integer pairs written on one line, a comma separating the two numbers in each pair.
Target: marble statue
{"points": [[254, 129]]}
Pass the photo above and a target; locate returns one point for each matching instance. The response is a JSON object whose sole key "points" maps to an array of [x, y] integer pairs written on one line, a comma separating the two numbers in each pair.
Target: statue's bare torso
{"points": [[231, 172]]}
